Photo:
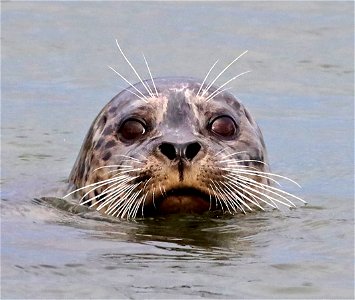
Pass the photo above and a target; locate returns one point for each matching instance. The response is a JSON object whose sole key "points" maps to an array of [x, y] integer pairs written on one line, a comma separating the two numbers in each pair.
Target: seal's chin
{"points": [[185, 200]]}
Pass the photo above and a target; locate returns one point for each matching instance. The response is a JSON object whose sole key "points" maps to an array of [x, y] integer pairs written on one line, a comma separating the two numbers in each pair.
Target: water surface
{"points": [[55, 80]]}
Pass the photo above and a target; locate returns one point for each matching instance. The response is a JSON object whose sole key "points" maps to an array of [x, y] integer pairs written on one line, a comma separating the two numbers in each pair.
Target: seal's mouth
{"points": [[181, 200]]}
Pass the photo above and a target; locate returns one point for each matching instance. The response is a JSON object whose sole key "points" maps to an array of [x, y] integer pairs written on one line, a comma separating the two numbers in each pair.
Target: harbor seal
{"points": [[174, 145]]}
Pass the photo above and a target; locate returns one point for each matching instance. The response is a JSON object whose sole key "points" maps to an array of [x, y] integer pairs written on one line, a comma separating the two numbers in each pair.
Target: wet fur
{"points": [[132, 179]]}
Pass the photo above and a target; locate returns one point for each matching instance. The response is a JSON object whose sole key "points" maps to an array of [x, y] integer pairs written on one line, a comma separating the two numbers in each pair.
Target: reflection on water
{"points": [[55, 81], [206, 231]]}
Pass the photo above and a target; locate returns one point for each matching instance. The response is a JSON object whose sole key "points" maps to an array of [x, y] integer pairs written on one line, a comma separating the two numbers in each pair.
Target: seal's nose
{"points": [[176, 151]]}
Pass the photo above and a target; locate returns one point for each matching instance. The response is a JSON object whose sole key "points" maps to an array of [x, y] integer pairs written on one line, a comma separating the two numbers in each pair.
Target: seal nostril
{"points": [[168, 150], [192, 150]]}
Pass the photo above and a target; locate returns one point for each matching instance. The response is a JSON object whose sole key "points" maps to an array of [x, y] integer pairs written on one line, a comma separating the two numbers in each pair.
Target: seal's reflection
{"points": [[194, 230], [208, 231]]}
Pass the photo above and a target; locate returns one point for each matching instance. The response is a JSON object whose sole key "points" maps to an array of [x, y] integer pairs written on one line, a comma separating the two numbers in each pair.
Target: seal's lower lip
{"points": [[183, 201]]}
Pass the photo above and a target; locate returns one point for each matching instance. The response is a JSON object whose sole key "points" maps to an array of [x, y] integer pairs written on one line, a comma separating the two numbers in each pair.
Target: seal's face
{"points": [[179, 149]]}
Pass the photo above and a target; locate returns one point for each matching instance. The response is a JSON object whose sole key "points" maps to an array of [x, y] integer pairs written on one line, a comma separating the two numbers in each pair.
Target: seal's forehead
{"points": [[173, 98]]}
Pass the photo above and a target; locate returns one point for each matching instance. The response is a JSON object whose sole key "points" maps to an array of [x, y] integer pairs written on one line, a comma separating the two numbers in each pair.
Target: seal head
{"points": [[172, 145]]}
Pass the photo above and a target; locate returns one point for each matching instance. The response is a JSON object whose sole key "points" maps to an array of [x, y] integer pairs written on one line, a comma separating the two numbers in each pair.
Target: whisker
{"points": [[236, 163], [250, 182], [229, 197], [208, 73], [220, 151], [145, 99], [107, 191], [208, 87], [239, 199], [268, 174], [129, 204], [137, 205], [154, 197], [133, 93], [267, 187], [240, 185], [161, 191], [89, 185], [215, 94], [146, 194], [151, 77], [215, 194], [210, 195], [248, 172], [125, 171], [113, 166], [223, 196], [112, 208], [217, 197], [234, 153], [231, 186], [134, 70], [224, 84]]}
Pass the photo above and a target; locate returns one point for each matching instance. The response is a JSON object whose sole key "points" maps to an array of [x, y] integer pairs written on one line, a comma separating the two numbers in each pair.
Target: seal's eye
{"points": [[131, 129], [223, 126]]}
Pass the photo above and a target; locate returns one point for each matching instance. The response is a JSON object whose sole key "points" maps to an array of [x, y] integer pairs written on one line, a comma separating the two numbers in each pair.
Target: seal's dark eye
{"points": [[223, 126], [131, 129]]}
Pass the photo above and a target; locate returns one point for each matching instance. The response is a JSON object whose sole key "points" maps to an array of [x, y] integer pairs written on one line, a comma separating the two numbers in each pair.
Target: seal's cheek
{"points": [[183, 204]]}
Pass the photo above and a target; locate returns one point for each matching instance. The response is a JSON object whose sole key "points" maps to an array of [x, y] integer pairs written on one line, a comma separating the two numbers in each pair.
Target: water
{"points": [[55, 80]]}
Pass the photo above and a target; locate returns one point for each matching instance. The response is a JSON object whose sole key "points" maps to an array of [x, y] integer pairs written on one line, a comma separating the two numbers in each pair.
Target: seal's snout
{"points": [[178, 151]]}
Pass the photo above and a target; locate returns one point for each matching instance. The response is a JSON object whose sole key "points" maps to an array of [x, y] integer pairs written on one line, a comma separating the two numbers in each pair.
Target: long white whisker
{"points": [[220, 151], [131, 158], [143, 202], [130, 204], [154, 197], [236, 163], [237, 185], [208, 73], [134, 70], [249, 186], [236, 190], [208, 87], [250, 182], [271, 174], [215, 94], [136, 206], [267, 187], [133, 93], [97, 184], [215, 195], [219, 88], [234, 153], [112, 208], [115, 187], [239, 199], [124, 171], [145, 99], [247, 172], [115, 191], [151, 77], [114, 166], [220, 195], [230, 198], [112, 187], [209, 193]]}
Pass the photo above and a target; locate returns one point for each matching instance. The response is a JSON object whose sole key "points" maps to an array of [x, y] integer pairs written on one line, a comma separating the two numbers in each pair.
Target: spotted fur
{"points": [[179, 162]]}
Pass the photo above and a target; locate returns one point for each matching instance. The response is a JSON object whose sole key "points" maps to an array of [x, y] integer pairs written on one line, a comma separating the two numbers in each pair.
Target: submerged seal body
{"points": [[170, 145]]}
